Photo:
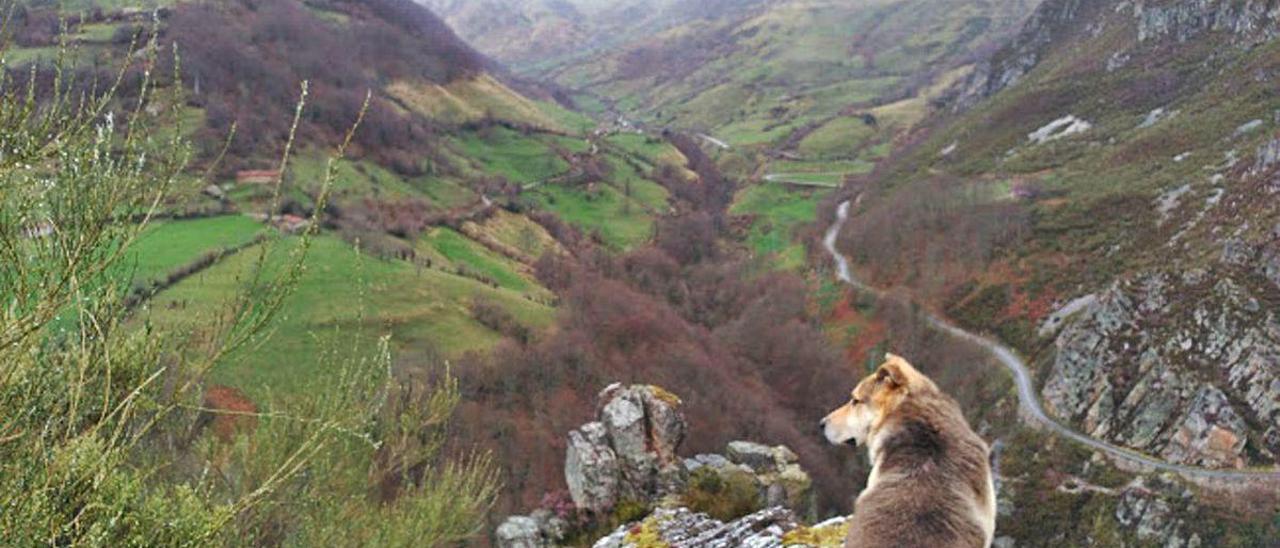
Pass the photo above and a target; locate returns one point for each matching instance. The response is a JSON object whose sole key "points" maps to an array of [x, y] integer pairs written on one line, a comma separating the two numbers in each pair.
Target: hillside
{"points": [[1064, 211], [532, 35], [454, 186], [1100, 195]]}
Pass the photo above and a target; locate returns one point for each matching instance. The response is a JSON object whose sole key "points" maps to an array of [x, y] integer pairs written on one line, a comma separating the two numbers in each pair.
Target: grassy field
{"points": [[842, 137], [466, 253], [779, 209], [345, 293], [168, 245], [474, 99], [519, 158], [621, 222]]}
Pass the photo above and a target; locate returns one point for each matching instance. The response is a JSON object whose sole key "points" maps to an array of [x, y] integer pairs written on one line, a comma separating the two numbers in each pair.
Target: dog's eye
{"points": [[855, 401]]}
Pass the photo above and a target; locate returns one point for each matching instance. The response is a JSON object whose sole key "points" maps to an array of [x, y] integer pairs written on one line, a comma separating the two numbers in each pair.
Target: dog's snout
{"points": [[822, 425]]}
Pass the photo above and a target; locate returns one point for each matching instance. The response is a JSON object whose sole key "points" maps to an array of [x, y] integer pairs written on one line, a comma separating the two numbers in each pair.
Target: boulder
{"points": [[754, 455], [682, 527], [629, 453], [520, 532], [591, 468], [1236, 252]]}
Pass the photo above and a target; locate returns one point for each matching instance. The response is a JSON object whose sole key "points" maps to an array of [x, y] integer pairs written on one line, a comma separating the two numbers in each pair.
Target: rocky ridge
{"points": [[1151, 22], [1184, 366], [628, 457]]}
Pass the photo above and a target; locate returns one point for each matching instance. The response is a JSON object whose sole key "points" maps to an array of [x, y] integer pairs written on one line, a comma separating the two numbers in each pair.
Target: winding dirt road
{"points": [[1027, 395]]}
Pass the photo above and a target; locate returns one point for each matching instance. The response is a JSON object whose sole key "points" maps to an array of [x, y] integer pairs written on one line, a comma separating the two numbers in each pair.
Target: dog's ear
{"points": [[894, 371]]}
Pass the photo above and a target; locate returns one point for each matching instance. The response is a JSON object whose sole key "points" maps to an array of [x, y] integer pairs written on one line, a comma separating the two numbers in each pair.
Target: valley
{"points": [[449, 224]]}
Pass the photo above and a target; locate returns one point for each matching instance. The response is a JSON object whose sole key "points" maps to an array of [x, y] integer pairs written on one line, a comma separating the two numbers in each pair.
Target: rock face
{"points": [[520, 532], [1186, 367], [1182, 20], [681, 528], [591, 468], [1147, 509], [628, 455], [1151, 22]]}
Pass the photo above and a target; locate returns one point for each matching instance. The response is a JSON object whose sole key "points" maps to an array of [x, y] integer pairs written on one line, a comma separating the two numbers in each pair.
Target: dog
{"points": [[930, 484]]}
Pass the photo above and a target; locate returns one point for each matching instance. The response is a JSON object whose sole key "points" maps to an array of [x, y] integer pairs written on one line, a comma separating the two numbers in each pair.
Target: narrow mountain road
{"points": [[1027, 395], [717, 142], [798, 179]]}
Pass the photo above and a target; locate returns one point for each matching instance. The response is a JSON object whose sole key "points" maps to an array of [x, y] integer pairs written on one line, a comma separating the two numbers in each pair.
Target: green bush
{"points": [[726, 496]]}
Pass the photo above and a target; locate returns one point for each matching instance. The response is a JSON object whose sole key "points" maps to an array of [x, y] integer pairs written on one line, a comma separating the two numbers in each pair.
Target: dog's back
{"points": [[931, 488]]}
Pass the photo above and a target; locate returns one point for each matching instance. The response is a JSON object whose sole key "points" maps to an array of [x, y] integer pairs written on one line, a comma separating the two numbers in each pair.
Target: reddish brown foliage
{"points": [[231, 412]]}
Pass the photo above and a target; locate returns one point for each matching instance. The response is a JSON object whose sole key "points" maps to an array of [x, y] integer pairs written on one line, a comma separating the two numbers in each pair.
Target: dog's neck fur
{"points": [[914, 447]]}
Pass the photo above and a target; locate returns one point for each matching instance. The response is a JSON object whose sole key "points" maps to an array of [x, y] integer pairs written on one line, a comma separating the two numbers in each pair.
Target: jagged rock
{"points": [[1248, 127], [1211, 434], [1251, 22], [1270, 264], [1177, 366], [712, 460], [1062, 127], [591, 468], [681, 528], [1151, 515], [520, 532], [630, 452], [1237, 252], [759, 458], [645, 428]]}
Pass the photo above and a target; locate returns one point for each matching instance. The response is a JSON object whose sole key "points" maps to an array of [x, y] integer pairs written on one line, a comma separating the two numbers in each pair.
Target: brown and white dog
{"points": [[930, 482]]}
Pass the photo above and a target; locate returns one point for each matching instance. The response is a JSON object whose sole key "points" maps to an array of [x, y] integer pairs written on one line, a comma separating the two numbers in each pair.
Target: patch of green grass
{"points": [[653, 150], [779, 209], [520, 158], [626, 180], [341, 291], [166, 246], [622, 223], [840, 138], [459, 250]]}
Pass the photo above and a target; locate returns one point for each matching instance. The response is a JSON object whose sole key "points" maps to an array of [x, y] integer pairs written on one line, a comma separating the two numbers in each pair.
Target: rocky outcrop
{"points": [[591, 468], [1186, 367], [774, 472], [1181, 20], [1146, 507], [520, 532], [628, 456], [629, 453], [684, 528], [1055, 22]]}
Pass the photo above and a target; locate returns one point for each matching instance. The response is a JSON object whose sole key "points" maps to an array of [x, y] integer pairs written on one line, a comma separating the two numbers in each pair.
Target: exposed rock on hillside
{"points": [[1151, 21], [629, 453], [1184, 19], [681, 527], [1184, 367], [1146, 507], [627, 457]]}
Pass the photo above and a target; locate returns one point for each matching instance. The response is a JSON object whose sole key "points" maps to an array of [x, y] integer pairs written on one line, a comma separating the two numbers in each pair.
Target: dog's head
{"points": [[873, 400]]}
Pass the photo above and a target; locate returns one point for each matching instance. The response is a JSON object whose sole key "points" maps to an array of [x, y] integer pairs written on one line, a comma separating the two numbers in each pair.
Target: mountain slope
{"points": [[1101, 196], [756, 74], [531, 35]]}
